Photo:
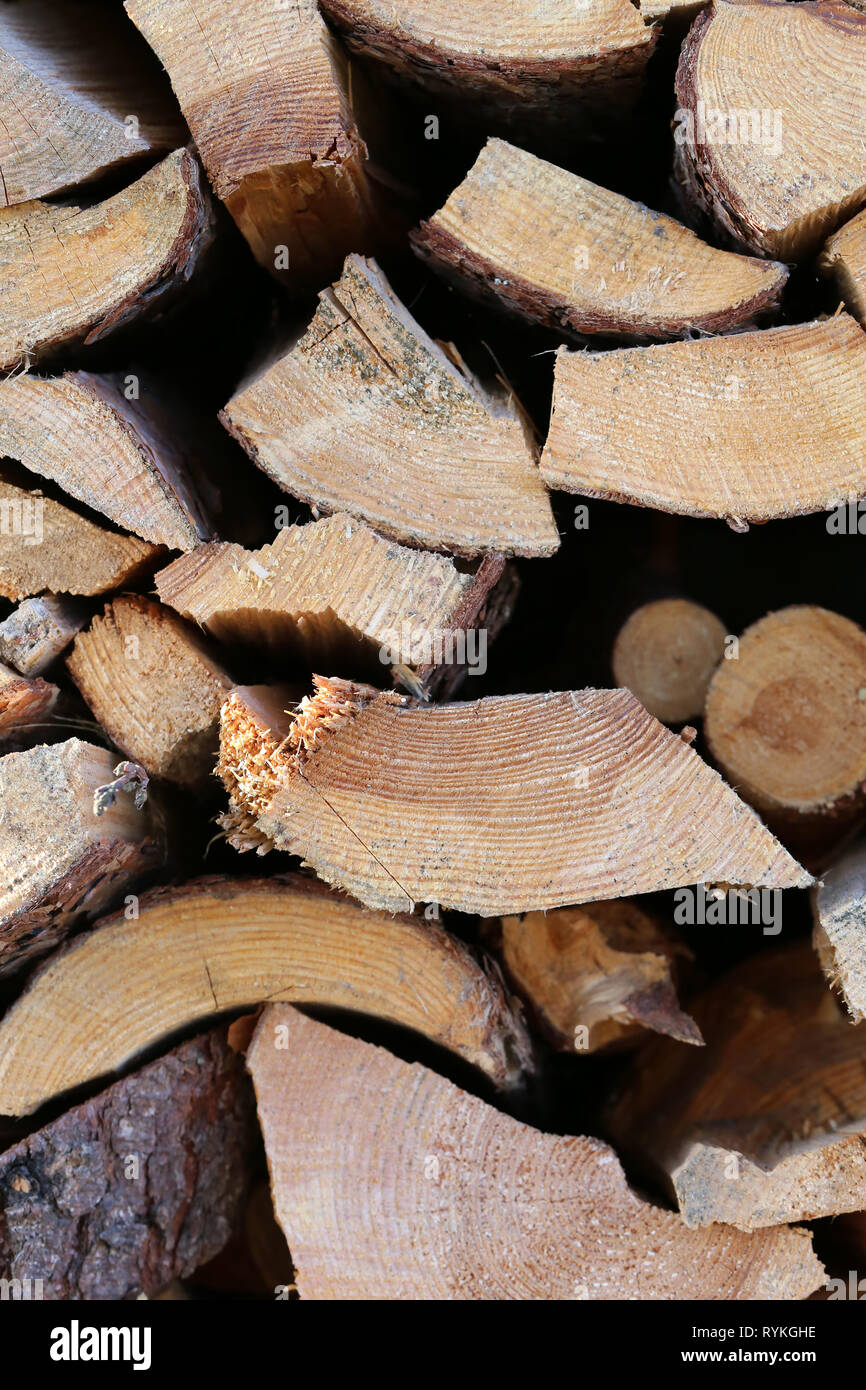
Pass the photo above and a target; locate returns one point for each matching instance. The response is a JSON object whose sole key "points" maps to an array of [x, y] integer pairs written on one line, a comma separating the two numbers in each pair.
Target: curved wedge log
{"points": [[536, 801], [217, 944], [746, 427], [771, 172], [64, 428], [73, 111], [333, 590], [368, 415], [522, 62], [469, 1203], [271, 104], [604, 265], [70, 275]]}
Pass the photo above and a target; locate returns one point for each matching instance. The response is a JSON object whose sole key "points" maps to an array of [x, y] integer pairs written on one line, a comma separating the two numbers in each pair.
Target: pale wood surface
{"points": [[395, 1184], [216, 944]]}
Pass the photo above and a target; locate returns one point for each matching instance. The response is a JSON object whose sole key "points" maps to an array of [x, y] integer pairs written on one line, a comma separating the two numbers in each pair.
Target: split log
{"points": [[73, 110], [469, 1203], [604, 265], [136, 1187], [64, 428], [60, 861], [844, 257], [496, 806], [747, 427], [839, 910], [23, 702], [73, 274], [155, 687], [597, 975], [217, 944], [47, 546], [39, 630], [767, 1122], [786, 721], [666, 653], [670, 12], [435, 460], [335, 592], [521, 64], [272, 105], [750, 152]]}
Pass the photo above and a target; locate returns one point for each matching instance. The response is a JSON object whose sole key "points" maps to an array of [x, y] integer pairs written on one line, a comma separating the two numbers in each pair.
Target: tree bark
{"points": [[136, 1187]]}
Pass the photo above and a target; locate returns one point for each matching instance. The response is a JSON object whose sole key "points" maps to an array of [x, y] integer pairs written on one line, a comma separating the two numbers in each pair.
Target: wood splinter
{"points": [[525, 790], [597, 975], [470, 1203], [604, 265], [216, 944]]}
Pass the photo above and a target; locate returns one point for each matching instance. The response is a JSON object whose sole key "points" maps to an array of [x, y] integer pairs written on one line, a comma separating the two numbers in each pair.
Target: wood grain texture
{"points": [[748, 427], [75, 111], [60, 863], [218, 943], [269, 101], [128, 459], [23, 703], [665, 653], [766, 1123], [46, 546], [523, 63], [604, 265], [391, 1183], [72, 274], [501, 805], [38, 630], [328, 592], [155, 687], [839, 937], [597, 975], [136, 1187], [773, 172], [786, 721], [844, 257], [370, 416]]}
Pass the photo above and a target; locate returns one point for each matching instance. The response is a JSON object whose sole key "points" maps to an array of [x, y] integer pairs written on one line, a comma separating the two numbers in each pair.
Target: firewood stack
{"points": [[431, 798]]}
